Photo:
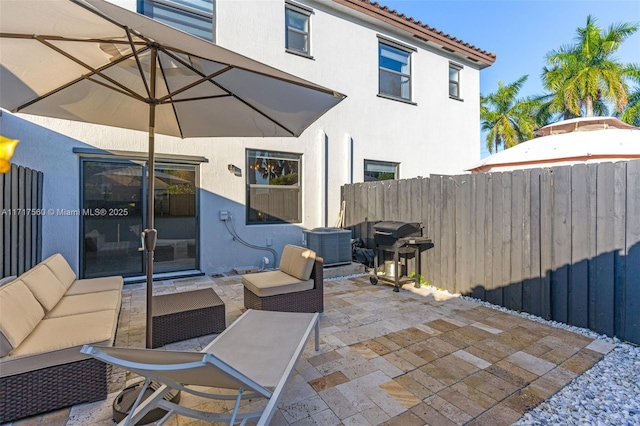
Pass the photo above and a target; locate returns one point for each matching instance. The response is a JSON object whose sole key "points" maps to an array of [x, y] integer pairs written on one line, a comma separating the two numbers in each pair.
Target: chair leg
{"points": [[140, 408]]}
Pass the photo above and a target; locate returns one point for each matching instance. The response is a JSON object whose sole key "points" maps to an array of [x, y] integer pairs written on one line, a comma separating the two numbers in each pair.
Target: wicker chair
{"points": [[301, 301]]}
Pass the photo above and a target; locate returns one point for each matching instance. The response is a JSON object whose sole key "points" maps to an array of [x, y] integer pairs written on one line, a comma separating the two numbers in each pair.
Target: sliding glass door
{"points": [[112, 211], [175, 217], [113, 206]]}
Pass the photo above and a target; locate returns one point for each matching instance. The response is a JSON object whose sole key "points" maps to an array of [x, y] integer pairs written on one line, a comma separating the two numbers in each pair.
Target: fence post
{"points": [[20, 220]]}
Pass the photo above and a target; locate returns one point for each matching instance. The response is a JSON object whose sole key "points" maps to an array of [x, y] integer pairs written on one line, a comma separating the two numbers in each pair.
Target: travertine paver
{"points": [[600, 346], [410, 358], [531, 363], [329, 381], [472, 359]]}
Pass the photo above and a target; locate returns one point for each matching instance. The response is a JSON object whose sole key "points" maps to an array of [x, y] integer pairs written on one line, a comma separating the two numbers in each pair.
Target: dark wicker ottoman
{"points": [[182, 316]]}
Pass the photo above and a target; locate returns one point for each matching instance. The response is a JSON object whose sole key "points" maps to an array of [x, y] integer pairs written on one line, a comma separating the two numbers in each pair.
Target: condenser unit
{"points": [[332, 244]]}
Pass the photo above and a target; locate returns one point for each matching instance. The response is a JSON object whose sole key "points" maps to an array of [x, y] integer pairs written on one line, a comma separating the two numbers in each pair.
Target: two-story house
{"points": [[412, 109]]}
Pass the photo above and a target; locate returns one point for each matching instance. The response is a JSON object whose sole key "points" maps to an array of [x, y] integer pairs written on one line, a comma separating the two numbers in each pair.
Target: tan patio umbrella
{"points": [[92, 61]]}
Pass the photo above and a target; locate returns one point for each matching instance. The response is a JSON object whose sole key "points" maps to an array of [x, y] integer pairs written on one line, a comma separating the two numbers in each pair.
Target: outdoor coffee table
{"points": [[181, 316]]}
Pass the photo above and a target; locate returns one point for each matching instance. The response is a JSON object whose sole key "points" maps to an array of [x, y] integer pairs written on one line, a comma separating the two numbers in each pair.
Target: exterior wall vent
{"points": [[332, 244]]}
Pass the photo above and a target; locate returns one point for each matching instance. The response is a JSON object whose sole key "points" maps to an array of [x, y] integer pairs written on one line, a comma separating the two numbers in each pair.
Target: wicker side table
{"points": [[182, 316]]}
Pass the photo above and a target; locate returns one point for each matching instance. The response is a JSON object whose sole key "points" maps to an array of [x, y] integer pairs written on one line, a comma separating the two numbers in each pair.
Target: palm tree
{"points": [[507, 119], [631, 113], [584, 76]]}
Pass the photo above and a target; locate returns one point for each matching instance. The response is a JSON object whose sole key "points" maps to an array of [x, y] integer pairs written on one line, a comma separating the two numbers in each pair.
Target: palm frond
{"points": [[584, 74]]}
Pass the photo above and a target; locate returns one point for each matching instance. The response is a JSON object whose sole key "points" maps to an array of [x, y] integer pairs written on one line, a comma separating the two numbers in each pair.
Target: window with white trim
{"points": [[297, 27], [454, 80], [191, 16], [380, 170], [394, 71], [274, 192]]}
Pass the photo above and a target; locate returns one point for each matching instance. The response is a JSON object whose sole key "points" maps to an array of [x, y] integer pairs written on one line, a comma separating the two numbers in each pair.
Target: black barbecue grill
{"points": [[399, 238]]}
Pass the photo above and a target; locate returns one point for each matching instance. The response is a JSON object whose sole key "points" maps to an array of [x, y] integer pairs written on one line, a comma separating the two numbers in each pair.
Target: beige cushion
{"points": [[297, 261], [85, 303], [58, 341], [95, 285], [272, 283], [44, 286], [61, 269], [20, 313]]}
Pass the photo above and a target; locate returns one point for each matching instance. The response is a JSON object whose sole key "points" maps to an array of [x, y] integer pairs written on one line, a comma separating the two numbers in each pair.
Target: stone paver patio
{"points": [[411, 358]]}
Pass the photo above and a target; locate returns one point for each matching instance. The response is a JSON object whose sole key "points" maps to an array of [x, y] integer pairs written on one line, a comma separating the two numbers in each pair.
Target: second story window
{"points": [[394, 71], [454, 80], [191, 16], [297, 39]]}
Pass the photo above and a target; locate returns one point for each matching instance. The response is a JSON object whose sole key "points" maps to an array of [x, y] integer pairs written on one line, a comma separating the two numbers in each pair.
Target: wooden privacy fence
{"points": [[20, 220], [562, 243]]}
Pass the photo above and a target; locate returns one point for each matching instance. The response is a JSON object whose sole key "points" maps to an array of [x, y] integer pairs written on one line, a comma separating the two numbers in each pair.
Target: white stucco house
{"points": [[411, 110]]}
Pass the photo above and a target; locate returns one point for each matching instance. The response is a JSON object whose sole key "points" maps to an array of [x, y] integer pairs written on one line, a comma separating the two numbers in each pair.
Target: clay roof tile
{"points": [[490, 56]]}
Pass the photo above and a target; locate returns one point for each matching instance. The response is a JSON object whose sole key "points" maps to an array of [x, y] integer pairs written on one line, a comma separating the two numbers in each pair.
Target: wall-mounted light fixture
{"points": [[237, 171]]}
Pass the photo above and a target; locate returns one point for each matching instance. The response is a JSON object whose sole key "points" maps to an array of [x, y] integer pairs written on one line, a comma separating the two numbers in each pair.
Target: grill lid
{"points": [[398, 229]]}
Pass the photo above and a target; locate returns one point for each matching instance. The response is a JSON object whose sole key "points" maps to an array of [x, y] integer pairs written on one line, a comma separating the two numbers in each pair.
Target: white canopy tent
{"points": [[574, 141]]}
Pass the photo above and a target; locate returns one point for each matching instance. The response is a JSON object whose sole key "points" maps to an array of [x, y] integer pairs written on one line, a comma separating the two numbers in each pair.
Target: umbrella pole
{"points": [[150, 232]]}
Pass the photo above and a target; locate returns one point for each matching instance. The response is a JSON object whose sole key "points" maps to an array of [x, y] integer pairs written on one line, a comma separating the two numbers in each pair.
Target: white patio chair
{"points": [[254, 357]]}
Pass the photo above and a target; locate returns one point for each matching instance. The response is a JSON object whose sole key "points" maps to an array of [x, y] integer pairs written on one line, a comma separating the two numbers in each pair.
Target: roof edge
{"points": [[536, 164], [421, 31]]}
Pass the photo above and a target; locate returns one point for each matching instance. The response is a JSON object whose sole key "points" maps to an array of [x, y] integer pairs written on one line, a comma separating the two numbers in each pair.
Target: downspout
{"points": [[326, 180], [349, 155], [322, 165]]}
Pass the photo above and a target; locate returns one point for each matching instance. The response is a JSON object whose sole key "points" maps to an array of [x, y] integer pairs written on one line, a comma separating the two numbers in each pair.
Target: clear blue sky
{"points": [[520, 32]]}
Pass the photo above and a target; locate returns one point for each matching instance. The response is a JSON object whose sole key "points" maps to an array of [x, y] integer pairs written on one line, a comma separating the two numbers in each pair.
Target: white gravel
{"points": [[607, 394]]}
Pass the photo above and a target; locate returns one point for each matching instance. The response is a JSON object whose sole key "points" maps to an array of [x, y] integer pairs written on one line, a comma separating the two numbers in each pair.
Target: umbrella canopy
{"points": [[92, 61]]}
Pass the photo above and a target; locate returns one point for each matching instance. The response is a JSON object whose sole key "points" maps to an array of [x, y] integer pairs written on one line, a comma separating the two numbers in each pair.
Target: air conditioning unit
{"points": [[332, 244]]}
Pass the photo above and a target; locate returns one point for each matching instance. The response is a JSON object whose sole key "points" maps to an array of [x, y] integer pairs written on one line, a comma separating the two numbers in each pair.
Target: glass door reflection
{"points": [[113, 206], [175, 218]]}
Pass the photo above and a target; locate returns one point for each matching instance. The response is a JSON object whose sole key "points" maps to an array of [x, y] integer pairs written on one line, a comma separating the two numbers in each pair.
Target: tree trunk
{"points": [[589, 106]]}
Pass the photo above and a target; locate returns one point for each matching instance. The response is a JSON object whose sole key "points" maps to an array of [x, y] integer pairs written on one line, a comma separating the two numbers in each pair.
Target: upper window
{"points": [[273, 187], [297, 29], [380, 170], [395, 71], [191, 16], [454, 80]]}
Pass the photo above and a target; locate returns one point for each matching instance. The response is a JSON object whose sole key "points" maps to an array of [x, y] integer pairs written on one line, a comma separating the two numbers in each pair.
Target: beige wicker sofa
{"points": [[296, 287], [46, 315]]}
